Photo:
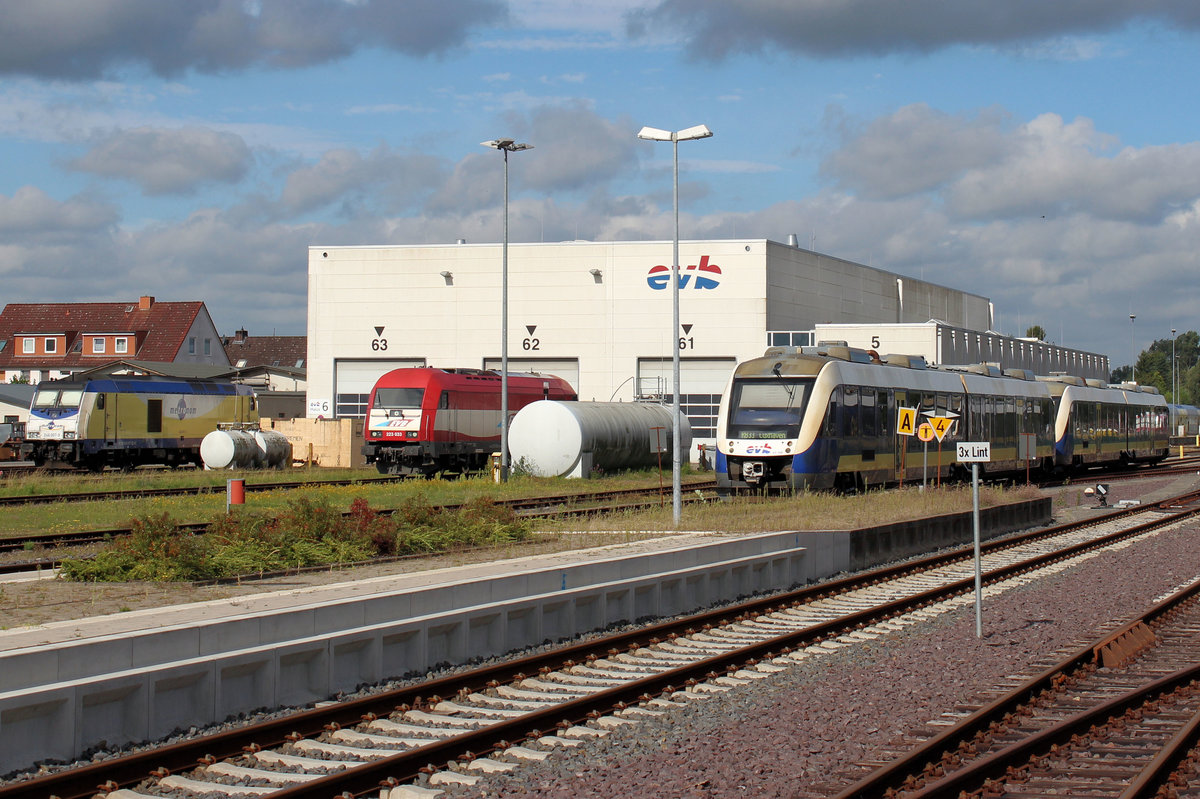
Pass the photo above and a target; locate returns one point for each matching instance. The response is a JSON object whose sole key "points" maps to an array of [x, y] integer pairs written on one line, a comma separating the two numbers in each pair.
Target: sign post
{"points": [[906, 425], [925, 432], [941, 426], [975, 453]]}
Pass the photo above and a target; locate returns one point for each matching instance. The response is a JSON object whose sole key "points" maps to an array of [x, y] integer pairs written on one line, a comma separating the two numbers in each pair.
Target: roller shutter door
{"points": [[566, 368], [701, 383], [353, 381]]}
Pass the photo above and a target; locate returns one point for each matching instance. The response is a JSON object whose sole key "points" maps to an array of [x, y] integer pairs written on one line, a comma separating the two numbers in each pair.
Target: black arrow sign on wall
{"points": [[531, 328], [687, 329], [379, 331]]}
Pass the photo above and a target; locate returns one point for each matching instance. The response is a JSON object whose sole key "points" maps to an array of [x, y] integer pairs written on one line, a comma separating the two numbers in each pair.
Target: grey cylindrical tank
{"points": [[551, 438], [275, 451], [230, 449]]}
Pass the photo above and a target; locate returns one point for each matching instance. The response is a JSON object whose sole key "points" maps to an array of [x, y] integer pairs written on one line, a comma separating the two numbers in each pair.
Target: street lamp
{"points": [[506, 146], [1174, 391], [687, 134], [1132, 352]]}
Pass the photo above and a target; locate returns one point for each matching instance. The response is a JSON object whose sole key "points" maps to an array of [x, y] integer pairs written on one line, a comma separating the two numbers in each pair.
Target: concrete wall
{"points": [[58, 700]]}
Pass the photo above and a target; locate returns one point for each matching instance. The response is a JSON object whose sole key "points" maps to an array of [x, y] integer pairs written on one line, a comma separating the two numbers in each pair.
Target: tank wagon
{"points": [[825, 417], [426, 421], [551, 438], [130, 420]]}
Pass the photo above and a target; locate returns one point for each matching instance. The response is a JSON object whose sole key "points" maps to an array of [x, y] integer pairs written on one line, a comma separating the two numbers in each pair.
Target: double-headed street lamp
{"points": [[1174, 390], [507, 146], [1132, 351], [687, 134]]}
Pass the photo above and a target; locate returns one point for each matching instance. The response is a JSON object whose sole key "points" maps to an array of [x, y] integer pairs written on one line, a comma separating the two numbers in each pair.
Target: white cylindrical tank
{"points": [[275, 451], [230, 449], [551, 438]]}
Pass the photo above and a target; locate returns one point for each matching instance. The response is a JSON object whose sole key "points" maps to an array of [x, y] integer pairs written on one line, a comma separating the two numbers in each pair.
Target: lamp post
{"points": [[1132, 352], [506, 146], [1174, 391], [687, 134]]}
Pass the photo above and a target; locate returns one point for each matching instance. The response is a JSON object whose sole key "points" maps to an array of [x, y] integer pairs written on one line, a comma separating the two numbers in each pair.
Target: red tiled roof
{"points": [[159, 331], [290, 351]]}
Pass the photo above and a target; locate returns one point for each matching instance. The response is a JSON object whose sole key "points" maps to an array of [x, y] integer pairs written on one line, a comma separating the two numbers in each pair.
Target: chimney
{"points": [[241, 335], [145, 302]]}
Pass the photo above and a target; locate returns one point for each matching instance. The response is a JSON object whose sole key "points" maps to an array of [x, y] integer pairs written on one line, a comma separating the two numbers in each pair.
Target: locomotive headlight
{"points": [[68, 434]]}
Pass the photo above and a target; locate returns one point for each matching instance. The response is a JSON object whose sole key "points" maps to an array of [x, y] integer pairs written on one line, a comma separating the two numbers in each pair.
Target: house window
{"points": [[121, 345], [98, 346], [208, 346], [29, 346], [192, 345], [51, 346]]}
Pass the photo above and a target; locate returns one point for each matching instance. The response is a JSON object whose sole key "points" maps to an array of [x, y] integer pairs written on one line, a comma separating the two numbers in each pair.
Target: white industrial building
{"points": [[599, 314]]}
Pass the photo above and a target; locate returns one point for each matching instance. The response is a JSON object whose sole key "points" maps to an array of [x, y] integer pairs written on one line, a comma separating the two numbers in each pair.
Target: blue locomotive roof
{"points": [[152, 384]]}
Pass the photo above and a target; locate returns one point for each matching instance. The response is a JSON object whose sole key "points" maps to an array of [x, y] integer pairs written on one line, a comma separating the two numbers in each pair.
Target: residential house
{"points": [[46, 341]]}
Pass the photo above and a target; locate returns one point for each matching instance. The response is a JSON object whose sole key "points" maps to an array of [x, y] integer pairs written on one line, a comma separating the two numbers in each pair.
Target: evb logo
{"points": [[702, 276]]}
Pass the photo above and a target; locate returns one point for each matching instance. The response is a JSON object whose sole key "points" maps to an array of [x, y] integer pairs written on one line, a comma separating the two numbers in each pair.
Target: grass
{"points": [[20, 520], [806, 510]]}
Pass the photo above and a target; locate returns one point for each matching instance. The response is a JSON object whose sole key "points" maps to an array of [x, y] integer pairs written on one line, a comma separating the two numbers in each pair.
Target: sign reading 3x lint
{"points": [[707, 276]]}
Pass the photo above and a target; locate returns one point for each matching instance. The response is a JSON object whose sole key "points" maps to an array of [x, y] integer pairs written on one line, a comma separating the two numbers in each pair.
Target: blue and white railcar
{"points": [[1101, 425], [827, 417]]}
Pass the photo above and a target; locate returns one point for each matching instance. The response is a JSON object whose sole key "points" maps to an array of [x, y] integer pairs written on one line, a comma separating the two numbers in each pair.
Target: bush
{"points": [[308, 534]]}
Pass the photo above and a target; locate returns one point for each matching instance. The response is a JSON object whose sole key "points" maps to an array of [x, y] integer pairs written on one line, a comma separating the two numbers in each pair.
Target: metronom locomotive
{"points": [[826, 417], [126, 421], [427, 421]]}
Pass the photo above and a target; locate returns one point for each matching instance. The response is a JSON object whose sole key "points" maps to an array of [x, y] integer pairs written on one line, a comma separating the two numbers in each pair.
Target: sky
{"points": [[1042, 154]]}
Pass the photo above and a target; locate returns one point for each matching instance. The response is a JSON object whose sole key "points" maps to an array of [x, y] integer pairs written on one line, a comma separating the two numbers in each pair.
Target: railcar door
{"points": [[109, 404]]}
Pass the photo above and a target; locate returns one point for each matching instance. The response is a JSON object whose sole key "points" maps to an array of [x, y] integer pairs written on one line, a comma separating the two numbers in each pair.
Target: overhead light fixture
{"points": [[687, 134], [449, 276], [506, 146]]}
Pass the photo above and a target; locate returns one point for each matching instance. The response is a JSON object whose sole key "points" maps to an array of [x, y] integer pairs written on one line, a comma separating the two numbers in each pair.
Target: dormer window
{"points": [[51, 346], [121, 345], [98, 345], [29, 345]]}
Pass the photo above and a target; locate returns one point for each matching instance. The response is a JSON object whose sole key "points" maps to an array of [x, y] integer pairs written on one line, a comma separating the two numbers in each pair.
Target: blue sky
{"points": [[1041, 154]]}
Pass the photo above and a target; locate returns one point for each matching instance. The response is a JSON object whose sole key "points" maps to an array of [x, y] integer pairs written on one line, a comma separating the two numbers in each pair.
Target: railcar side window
{"points": [[850, 411]]}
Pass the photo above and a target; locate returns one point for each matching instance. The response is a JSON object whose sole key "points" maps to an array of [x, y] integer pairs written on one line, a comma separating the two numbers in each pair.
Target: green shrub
{"points": [[309, 533]]}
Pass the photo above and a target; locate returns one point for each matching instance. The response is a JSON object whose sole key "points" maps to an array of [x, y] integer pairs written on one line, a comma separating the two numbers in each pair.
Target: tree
{"points": [[1036, 331]]}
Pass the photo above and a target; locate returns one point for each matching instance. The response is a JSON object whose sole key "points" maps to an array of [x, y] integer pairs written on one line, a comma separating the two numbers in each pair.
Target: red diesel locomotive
{"points": [[427, 421]]}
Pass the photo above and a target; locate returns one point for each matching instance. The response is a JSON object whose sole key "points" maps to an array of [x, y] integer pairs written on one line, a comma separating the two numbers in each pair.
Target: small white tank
{"points": [[230, 449], [275, 451], [551, 438]]}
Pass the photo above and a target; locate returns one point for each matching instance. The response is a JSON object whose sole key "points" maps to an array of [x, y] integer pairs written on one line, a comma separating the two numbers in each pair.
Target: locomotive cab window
{"points": [[399, 398], [768, 408], [57, 398]]}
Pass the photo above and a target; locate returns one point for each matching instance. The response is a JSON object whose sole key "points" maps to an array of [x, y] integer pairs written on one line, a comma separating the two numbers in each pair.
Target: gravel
{"points": [[807, 732]]}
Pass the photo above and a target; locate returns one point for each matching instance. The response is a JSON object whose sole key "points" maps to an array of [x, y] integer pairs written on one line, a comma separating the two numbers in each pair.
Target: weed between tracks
{"points": [[310, 530], [307, 534]]}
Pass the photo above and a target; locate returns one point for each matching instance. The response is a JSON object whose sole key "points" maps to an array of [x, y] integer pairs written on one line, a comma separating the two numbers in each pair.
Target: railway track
{"points": [[582, 504], [1119, 717], [138, 493], [454, 729]]}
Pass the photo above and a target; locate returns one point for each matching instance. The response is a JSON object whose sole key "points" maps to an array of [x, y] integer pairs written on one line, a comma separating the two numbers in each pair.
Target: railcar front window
{"points": [[399, 398], [58, 398], [766, 409]]}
